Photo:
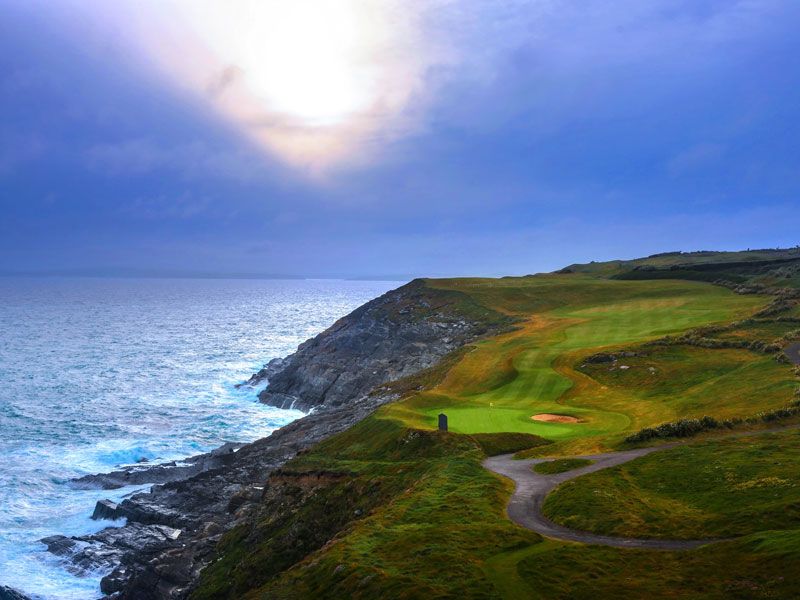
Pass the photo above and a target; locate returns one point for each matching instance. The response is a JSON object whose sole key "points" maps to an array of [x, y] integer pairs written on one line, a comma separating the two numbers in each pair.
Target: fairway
{"points": [[504, 381]]}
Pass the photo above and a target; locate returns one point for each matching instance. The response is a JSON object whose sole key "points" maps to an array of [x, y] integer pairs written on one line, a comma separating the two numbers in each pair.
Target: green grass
{"points": [[765, 331], [770, 267], [762, 566], [668, 259], [561, 465], [501, 383], [505, 443], [394, 508], [426, 502], [433, 526], [689, 382], [721, 488]]}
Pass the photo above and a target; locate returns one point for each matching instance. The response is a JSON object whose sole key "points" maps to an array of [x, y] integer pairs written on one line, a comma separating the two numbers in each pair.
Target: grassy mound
{"points": [[689, 382], [504, 443], [401, 503], [561, 465], [761, 566], [720, 488]]}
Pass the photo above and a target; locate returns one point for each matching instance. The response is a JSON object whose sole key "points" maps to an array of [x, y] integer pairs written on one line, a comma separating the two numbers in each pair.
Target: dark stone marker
{"points": [[442, 422]]}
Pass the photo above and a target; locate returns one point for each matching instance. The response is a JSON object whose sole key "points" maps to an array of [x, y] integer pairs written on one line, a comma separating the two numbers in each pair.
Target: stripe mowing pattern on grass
{"points": [[503, 382]]}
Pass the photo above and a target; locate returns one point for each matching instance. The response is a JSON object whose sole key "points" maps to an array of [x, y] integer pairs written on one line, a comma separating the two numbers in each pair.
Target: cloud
{"points": [[312, 82], [329, 85], [181, 206], [193, 160], [466, 159], [695, 158], [224, 80]]}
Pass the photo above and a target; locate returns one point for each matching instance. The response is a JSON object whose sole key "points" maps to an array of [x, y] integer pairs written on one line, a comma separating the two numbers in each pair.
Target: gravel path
{"points": [[525, 506]]}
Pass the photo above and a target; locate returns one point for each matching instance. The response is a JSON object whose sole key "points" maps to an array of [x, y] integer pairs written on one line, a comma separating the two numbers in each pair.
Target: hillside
{"points": [[394, 508], [170, 533], [768, 267], [365, 498]]}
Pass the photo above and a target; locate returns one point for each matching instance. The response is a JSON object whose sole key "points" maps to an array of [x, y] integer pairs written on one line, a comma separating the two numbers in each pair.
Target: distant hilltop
{"points": [[772, 267]]}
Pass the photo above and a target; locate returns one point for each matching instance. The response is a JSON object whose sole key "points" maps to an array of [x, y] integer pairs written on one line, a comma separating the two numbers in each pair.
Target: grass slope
{"points": [[504, 381], [417, 501], [721, 488], [392, 508], [689, 382], [561, 465], [769, 267], [762, 566]]}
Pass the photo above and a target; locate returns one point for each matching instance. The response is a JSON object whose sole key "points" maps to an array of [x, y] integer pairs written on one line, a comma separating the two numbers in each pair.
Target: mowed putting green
{"points": [[504, 381]]}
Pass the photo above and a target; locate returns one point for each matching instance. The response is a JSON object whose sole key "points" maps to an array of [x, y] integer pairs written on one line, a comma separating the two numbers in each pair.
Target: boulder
{"points": [[7, 593], [106, 509]]}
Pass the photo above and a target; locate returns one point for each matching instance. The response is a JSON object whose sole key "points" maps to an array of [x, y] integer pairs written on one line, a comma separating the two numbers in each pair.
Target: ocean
{"points": [[100, 373]]}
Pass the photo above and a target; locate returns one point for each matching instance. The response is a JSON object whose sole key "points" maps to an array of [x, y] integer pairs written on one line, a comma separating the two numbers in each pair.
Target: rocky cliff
{"points": [[171, 532], [389, 338], [6, 593]]}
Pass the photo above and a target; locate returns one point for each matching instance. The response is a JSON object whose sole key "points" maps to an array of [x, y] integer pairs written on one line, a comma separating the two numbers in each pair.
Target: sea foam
{"points": [[100, 373]]}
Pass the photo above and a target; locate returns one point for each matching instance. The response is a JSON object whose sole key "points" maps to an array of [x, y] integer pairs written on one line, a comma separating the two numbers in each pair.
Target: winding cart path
{"points": [[525, 506]]}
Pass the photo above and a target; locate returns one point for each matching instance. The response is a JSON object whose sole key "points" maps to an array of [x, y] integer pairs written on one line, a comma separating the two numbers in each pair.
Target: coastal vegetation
{"points": [[596, 356], [561, 465], [719, 488], [504, 381], [403, 502]]}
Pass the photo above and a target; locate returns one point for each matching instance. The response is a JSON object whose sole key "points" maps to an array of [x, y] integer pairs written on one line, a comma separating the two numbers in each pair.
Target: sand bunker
{"points": [[551, 418]]}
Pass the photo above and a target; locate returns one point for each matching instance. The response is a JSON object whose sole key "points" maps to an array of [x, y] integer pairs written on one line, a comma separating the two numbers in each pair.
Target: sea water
{"points": [[96, 374]]}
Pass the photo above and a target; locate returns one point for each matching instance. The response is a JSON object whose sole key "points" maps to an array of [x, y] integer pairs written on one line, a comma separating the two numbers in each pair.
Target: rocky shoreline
{"points": [[171, 532]]}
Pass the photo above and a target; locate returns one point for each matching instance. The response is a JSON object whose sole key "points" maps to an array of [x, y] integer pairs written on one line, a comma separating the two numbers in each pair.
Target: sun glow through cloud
{"points": [[317, 83]]}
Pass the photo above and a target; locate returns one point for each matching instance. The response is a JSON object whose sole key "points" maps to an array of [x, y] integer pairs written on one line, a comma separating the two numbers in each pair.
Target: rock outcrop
{"points": [[391, 337], [171, 532], [7, 593], [160, 473]]}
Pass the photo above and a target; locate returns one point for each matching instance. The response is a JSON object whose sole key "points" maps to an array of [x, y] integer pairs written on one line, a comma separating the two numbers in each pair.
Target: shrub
{"points": [[681, 428], [689, 427]]}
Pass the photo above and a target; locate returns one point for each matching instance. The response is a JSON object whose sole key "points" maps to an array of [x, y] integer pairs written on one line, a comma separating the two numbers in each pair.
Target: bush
{"points": [[689, 427], [681, 428]]}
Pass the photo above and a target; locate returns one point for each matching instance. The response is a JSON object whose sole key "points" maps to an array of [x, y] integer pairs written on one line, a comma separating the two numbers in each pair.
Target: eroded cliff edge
{"points": [[171, 533], [391, 337]]}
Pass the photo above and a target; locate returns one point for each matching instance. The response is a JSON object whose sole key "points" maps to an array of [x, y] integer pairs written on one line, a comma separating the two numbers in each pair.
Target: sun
{"points": [[312, 82], [305, 59]]}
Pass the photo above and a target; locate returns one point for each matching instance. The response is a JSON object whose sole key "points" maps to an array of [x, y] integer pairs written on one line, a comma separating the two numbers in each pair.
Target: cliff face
{"points": [[171, 533], [391, 337]]}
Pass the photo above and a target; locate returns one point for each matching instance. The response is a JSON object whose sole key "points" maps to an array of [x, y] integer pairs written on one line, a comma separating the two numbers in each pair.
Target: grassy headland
{"points": [[503, 382], [393, 508]]}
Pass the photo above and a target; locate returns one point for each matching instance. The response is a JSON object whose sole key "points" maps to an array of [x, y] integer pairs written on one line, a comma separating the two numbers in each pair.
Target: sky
{"points": [[392, 139]]}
